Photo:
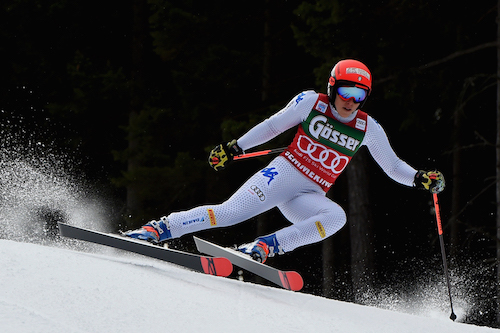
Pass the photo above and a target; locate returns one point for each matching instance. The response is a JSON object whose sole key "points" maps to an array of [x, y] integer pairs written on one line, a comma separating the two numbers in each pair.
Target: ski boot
{"points": [[262, 248], [155, 232]]}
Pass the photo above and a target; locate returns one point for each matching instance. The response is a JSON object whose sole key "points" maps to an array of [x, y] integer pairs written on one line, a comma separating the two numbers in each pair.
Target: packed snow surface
{"points": [[75, 288], [53, 285]]}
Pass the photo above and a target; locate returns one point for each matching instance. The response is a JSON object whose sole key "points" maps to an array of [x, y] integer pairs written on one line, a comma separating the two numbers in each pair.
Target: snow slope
{"points": [[79, 288]]}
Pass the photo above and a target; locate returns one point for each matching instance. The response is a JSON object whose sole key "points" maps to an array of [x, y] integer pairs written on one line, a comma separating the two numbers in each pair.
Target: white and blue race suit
{"points": [[296, 181]]}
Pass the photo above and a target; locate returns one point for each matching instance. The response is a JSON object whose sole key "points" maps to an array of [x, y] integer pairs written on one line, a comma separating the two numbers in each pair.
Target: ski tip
{"points": [[217, 266], [291, 280]]}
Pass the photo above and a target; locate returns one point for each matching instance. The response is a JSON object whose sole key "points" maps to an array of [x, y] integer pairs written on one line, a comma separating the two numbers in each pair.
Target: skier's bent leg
{"points": [[312, 230], [314, 218]]}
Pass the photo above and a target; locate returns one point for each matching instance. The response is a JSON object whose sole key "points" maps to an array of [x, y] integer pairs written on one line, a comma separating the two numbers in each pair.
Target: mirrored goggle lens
{"points": [[347, 93]]}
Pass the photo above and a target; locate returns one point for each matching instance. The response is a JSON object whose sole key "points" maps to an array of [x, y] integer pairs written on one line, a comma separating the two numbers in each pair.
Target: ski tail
{"points": [[290, 280]]}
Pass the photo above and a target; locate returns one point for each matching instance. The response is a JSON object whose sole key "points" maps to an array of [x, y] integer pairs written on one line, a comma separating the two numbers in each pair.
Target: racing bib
{"points": [[323, 146]]}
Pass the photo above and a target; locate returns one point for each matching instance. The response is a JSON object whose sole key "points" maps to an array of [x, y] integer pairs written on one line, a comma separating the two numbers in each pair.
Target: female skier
{"points": [[330, 130]]}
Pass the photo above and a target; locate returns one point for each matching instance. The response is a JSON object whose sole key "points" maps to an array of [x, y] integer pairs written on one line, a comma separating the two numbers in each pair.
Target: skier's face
{"points": [[345, 108]]}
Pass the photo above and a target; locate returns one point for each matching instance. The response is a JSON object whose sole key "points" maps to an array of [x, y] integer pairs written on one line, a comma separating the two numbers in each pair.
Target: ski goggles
{"points": [[358, 94]]}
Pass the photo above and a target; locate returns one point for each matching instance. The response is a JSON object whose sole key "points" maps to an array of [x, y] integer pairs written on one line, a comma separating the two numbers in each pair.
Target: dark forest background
{"points": [[136, 93]]}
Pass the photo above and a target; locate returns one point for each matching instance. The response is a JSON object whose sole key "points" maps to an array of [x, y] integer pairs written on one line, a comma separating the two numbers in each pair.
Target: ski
{"points": [[199, 263], [286, 279]]}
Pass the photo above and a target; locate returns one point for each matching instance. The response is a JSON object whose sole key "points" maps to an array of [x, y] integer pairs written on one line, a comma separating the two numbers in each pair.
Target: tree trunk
{"points": [[498, 163], [328, 258], [456, 179], [360, 225], [136, 99], [267, 52]]}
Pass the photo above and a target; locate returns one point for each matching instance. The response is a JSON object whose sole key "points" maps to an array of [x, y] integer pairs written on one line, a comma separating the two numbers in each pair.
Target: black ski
{"points": [[204, 264], [287, 279]]}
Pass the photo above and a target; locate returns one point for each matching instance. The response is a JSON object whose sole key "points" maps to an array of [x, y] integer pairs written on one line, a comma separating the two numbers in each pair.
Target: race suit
{"points": [[297, 181]]}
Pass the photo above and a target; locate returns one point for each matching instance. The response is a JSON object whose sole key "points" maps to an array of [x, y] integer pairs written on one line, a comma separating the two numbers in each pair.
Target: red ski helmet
{"points": [[352, 73]]}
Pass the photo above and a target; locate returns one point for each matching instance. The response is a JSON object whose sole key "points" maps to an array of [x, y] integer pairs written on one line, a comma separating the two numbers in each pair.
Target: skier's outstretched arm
{"points": [[378, 144], [291, 115]]}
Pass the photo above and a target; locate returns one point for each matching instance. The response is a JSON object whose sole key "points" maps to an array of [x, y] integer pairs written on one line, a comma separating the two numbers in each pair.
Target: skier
{"points": [[331, 129]]}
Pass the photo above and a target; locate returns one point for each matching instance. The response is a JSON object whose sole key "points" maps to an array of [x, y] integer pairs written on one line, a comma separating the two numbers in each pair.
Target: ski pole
{"points": [[259, 153], [453, 316]]}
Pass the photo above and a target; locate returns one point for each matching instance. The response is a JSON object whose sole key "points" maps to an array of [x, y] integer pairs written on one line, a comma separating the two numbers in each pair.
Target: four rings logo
{"points": [[328, 158], [254, 189]]}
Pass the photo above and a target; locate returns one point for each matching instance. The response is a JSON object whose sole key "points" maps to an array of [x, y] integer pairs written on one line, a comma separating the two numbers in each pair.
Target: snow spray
{"points": [[40, 186], [422, 291]]}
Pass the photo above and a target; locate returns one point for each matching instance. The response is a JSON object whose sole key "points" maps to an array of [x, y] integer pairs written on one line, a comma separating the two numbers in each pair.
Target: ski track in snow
{"points": [[58, 289]]}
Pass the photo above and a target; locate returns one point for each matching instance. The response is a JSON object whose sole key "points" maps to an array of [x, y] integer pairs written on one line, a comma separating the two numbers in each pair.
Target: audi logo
{"points": [[328, 158], [255, 189]]}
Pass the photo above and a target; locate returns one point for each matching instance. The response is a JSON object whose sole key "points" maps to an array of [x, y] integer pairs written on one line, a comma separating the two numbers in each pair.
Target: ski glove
{"points": [[432, 181], [223, 154]]}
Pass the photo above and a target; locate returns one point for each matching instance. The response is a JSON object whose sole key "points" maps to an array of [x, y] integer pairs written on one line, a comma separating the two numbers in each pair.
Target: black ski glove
{"points": [[223, 154], [432, 181]]}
